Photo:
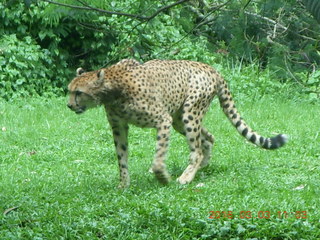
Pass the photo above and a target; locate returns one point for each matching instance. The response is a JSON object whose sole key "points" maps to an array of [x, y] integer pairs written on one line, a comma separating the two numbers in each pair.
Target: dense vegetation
{"points": [[58, 170], [42, 43]]}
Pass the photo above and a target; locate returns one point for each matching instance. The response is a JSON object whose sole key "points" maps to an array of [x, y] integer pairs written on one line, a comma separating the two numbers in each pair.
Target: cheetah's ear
{"points": [[100, 76], [79, 71]]}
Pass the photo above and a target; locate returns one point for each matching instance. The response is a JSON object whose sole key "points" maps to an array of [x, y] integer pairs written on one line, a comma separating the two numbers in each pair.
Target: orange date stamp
{"points": [[258, 215]]}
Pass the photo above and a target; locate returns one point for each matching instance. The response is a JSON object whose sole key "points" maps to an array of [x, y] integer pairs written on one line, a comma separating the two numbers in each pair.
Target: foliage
{"points": [[278, 34], [313, 7], [280, 37], [30, 65], [24, 68], [61, 172], [84, 36], [66, 42]]}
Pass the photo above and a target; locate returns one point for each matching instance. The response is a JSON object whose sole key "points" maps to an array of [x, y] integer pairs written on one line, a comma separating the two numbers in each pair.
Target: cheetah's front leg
{"points": [[120, 135]]}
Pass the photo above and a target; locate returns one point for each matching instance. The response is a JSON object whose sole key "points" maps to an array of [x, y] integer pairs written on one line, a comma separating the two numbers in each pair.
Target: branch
{"points": [[87, 7], [165, 7], [211, 11], [276, 24], [267, 19]]}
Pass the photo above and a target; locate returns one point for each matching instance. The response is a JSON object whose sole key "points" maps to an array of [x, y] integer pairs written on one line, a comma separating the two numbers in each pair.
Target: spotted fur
{"points": [[161, 94]]}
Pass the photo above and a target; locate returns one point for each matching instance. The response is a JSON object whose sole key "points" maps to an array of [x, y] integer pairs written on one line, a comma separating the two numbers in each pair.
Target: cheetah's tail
{"points": [[231, 112]]}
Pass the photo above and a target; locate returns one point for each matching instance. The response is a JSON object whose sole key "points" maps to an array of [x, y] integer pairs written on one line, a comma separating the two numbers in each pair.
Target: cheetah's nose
{"points": [[69, 105]]}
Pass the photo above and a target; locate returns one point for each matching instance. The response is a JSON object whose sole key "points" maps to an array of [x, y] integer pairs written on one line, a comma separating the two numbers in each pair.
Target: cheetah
{"points": [[161, 94]]}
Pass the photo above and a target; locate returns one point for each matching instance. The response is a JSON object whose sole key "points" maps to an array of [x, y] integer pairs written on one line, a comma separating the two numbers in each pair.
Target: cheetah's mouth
{"points": [[80, 110]]}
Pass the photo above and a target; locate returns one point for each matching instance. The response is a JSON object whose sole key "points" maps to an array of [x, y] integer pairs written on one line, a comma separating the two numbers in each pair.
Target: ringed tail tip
{"points": [[276, 142]]}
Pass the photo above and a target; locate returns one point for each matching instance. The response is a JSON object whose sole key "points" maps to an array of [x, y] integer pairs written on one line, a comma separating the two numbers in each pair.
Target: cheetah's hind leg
{"points": [[207, 141], [192, 129], [158, 166]]}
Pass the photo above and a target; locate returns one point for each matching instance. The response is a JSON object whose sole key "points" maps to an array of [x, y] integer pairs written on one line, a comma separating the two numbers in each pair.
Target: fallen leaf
{"points": [[32, 153], [200, 185], [4, 129], [78, 161], [196, 190], [7, 211], [300, 187]]}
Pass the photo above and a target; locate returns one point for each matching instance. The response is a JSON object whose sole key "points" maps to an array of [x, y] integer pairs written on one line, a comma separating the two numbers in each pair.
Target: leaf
{"points": [[42, 35], [7, 211], [32, 153], [78, 161], [240, 229], [20, 81], [313, 6], [300, 187], [27, 3], [200, 185]]}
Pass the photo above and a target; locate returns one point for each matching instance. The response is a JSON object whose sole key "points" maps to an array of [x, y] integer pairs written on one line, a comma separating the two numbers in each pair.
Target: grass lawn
{"points": [[59, 177]]}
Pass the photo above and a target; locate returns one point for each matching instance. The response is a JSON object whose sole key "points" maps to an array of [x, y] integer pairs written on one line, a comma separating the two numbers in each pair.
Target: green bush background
{"points": [[42, 43]]}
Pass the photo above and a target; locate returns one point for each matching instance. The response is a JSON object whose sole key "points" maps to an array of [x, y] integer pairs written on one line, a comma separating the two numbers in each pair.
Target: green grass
{"points": [[60, 170]]}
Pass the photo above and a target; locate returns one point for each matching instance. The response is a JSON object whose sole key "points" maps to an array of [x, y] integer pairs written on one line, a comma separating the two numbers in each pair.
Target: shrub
{"points": [[24, 68]]}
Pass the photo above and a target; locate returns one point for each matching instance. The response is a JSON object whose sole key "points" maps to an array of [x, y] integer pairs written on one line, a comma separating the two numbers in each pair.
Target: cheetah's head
{"points": [[83, 90]]}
